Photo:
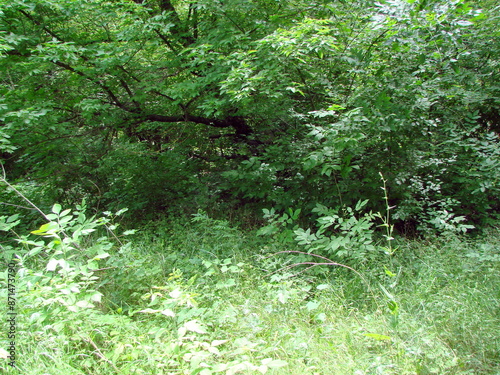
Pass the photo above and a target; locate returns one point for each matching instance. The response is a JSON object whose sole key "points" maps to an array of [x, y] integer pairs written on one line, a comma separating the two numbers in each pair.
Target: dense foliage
{"points": [[202, 297], [280, 145], [152, 105]]}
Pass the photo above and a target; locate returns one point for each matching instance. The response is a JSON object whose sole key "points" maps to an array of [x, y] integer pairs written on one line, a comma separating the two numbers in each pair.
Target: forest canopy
{"points": [[161, 105]]}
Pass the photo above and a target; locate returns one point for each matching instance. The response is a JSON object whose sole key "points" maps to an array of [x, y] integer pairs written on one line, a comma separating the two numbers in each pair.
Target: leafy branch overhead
{"points": [[135, 61], [256, 101]]}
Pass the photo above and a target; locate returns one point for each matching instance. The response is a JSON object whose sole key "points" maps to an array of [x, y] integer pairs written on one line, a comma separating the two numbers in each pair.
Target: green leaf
{"points": [[65, 219], [65, 212], [194, 326], [52, 264], [46, 229], [389, 273], [386, 292], [274, 363], [9, 223], [378, 337], [13, 218], [52, 217], [149, 311], [393, 307], [312, 305], [218, 342], [335, 107], [56, 208], [35, 251], [360, 204], [84, 304], [168, 312]]}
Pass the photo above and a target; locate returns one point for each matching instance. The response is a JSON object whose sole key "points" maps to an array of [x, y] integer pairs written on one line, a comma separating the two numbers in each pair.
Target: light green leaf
{"points": [[101, 256], [43, 230], [52, 217], [321, 317], [312, 305], [389, 273], [218, 342], [378, 337], [168, 312], [35, 251], [65, 212], [149, 311], [84, 304], [194, 326], [52, 265], [387, 293], [56, 208], [175, 293], [274, 363], [4, 353]]}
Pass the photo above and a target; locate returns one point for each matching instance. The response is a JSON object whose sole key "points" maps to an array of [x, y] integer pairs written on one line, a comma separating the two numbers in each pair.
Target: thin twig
{"points": [[103, 269], [100, 355], [16, 205], [328, 261], [4, 179], [314, 264]]}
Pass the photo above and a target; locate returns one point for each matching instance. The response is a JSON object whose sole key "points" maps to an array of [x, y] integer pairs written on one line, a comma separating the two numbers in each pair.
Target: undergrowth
{"points": [[203, 297]]}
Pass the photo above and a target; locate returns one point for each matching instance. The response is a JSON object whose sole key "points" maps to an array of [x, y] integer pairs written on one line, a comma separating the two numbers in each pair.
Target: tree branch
{"points": [[178, 29], [108, 91], [236, 122]]}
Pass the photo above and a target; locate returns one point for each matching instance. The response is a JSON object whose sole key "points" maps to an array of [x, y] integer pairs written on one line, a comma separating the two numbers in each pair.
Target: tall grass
{"points": [[219, 302]]}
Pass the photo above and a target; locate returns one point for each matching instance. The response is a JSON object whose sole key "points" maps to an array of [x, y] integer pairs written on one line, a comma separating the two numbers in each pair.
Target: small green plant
{"points": [[202, 297], [61, 266], [391, 300], [281, 226], [386, 220], [341, 233]]}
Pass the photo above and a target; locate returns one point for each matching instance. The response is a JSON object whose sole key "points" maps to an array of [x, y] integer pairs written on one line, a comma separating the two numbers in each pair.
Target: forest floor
{"points": [[207, 298]]}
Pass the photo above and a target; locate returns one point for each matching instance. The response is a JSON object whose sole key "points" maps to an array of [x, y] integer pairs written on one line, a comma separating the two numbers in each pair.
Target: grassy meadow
{"points": [[205, 297]]}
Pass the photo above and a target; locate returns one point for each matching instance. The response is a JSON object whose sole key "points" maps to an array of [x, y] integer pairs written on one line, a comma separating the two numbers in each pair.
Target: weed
{"points": [[202, 297]]}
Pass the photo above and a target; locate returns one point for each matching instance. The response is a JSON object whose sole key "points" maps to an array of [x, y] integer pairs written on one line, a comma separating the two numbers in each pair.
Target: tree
{"points": [[288, 103]]}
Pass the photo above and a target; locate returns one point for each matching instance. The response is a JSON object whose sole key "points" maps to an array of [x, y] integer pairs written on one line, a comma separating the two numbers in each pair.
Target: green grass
{"points": [[237, 310]]}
